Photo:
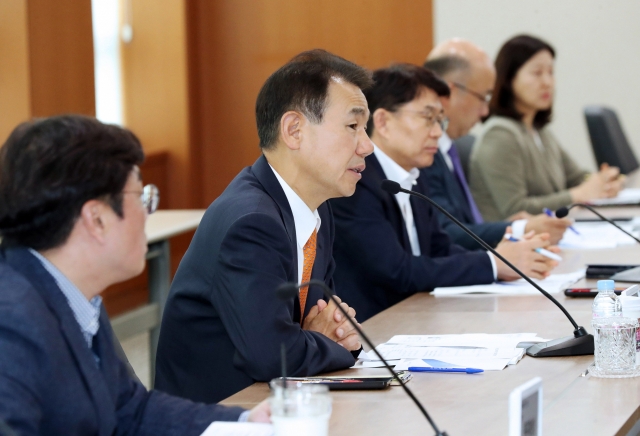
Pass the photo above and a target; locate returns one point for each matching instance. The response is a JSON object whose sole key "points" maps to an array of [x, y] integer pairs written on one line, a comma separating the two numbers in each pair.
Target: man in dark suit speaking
{"points": [[223, 325], [470, 74], [72, 216], [389, 247]]}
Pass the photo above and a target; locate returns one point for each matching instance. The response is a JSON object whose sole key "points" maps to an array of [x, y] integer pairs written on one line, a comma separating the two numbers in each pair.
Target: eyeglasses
{"points": [[483, 98], [431, 119], [149, 196]]}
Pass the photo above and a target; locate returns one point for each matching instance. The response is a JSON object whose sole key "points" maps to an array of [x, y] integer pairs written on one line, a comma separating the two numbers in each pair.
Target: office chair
{"points": [[608, 140]]}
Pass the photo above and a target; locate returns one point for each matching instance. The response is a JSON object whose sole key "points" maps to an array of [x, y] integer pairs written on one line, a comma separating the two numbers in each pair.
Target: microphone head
{"points": [[390, 186], [562, 212], [287, 291]]}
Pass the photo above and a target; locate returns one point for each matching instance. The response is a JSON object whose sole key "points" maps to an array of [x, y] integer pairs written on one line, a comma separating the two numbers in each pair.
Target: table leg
{"points": [[159, 263]]}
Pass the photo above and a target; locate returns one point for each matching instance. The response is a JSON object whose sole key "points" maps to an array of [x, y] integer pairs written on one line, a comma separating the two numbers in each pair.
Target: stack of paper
{"points": [[481, 351], [625, 197], [552, 284], [597, 235]]}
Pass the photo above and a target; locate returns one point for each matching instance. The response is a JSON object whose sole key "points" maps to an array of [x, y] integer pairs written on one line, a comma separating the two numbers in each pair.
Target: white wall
{"points": [[597, 47]]}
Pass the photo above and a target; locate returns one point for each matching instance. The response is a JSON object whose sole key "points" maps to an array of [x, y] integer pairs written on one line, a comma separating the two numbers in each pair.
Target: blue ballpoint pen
{"points": [[550, 213], [436, 369], [542, 251]]}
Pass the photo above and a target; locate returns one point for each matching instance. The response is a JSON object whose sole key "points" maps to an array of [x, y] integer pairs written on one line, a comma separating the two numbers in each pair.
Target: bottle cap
{"points": [[606, 285]]}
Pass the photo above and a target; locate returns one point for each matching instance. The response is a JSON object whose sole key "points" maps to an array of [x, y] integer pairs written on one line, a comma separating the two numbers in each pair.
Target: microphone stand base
{"points": [[567, 346]]}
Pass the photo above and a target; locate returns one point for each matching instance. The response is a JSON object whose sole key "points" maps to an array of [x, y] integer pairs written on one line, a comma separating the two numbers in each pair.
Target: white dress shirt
{"points": [[395, 172], [406, 179], [305, 219], [444, 144]]}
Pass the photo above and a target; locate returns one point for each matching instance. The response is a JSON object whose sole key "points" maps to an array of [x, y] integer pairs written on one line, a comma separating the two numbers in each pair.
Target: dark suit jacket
{"points": [[50, 383], [223, 324], [445, 190], [375, 266]]}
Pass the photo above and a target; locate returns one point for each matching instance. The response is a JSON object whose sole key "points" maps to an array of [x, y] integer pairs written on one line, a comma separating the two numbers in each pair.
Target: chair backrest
{"points": [[464, 145], [608, 140]]}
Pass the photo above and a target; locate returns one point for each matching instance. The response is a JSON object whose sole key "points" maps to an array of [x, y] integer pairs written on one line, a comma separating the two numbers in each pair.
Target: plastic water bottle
{"points": [[606, 303]]}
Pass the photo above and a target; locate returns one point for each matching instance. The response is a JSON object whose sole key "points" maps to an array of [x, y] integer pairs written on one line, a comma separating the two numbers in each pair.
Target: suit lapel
{"points": [[540, 162], [109, 364], [319, 265], [372, 176], [422, 216], [453, 188], [25, 263], [269, 182], [271, 185]]}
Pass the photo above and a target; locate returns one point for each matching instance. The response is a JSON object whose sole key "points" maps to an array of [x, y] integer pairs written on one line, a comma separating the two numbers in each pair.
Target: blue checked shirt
{"points": [[86, 312]]}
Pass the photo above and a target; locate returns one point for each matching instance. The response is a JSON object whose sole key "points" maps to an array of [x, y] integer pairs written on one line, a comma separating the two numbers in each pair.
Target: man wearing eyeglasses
{"points": [[72, 216], [389, 247], [470, 74]]}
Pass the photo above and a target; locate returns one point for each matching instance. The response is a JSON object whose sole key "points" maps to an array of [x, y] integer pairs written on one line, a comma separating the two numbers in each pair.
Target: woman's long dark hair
{"points": [[512, 56]]}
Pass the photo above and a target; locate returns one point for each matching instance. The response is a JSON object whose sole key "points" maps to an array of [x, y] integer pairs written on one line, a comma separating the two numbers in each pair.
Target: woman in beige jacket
{"points": [[517, 164]]}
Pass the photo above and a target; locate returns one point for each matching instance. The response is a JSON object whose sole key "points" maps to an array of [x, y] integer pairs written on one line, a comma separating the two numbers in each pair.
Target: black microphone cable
{"points": [[564, 211], [580, 344]]}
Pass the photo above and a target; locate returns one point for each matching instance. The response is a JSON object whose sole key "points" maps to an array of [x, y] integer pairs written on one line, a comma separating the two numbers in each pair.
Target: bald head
{"points": [[470, 74], [461, 49]]}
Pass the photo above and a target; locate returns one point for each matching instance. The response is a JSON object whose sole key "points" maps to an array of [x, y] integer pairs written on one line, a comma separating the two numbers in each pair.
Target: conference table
{"points": [[574, 403]]}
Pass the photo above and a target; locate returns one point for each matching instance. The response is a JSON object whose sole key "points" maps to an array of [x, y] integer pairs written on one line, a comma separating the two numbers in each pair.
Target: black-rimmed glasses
{"points": [[486, 98]]}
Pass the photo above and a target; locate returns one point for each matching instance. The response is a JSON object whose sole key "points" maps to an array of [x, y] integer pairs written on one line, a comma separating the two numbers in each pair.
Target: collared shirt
{"points": [[406, 179], [86, 312], [382, 157], [444, 144], [305, 219]]}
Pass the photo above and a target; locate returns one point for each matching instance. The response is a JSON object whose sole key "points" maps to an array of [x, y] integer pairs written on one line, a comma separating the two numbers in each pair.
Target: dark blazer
{"points": [[50, 382], [223, 324], [445, 190], [375, 266]]}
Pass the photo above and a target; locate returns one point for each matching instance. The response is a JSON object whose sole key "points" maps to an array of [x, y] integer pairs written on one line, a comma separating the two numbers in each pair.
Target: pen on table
{"points": [[542, 251], [550, 213], [436, 369]]}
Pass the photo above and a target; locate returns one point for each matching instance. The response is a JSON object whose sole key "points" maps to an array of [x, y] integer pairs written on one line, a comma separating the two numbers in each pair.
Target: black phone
{"points": [[346, 383], [587, 292], [606, 271]]}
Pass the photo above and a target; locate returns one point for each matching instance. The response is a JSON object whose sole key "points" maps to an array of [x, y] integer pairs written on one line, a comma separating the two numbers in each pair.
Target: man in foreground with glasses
{"points": [[72, 216], [389, 247], [470, 74]]}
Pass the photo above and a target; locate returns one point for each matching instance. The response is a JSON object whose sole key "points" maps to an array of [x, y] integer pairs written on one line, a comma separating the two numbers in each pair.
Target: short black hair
{"points": [[49, 168], [399, 84], [511, 57], [302, 85], [447, 64]]}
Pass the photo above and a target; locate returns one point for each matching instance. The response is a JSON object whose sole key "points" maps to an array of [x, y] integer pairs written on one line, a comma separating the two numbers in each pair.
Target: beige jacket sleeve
{"points": [[499, 179]]}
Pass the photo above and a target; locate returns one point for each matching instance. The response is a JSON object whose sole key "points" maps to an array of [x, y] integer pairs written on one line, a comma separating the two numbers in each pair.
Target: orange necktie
{"points": [[309, 257]]}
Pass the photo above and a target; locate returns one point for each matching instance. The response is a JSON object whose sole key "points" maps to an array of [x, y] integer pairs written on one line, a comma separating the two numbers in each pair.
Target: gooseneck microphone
{"points": [[287, 291], [579, 344], [564, 211]]}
